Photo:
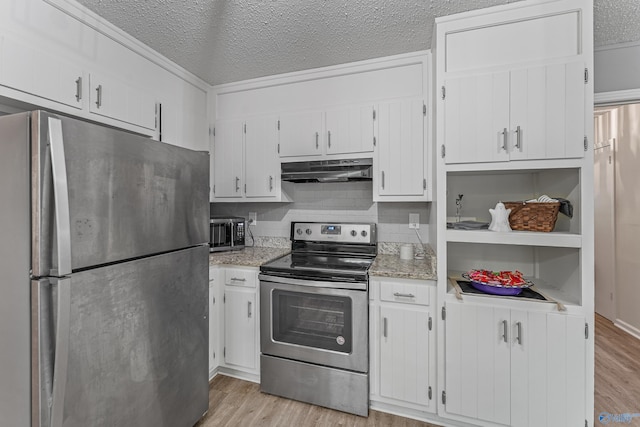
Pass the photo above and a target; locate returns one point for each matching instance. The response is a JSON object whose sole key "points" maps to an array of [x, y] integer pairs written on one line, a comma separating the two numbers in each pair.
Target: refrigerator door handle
{"points": [[61, 352], [61, 196]]}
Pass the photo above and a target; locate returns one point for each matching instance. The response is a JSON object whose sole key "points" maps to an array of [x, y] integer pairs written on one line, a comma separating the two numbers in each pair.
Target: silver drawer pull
{"points": [[399, 295], [235, 279], [384, 327]]}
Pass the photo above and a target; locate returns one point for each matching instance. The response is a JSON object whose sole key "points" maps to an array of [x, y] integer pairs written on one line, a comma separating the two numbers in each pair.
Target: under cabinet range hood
{"points": [[328, 170]]}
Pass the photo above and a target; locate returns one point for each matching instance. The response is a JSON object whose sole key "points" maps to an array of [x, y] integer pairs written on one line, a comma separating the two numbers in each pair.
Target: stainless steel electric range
{"points": [[314, 317]]}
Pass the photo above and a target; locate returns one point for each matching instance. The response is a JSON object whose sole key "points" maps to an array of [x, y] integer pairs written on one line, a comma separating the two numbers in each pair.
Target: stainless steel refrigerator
{"points": [[103, 276]]}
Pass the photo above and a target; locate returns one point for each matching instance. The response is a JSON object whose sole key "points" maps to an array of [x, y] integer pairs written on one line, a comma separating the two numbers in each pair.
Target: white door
{"points": [[301, 134], [262, 164], [110, 97], [213, 320], [404, 354], [547, 112], [604, 202], [477, 362], [399, 158], [240, 327], [349, 130], [476, 111], [31, 69], [227, 159]]}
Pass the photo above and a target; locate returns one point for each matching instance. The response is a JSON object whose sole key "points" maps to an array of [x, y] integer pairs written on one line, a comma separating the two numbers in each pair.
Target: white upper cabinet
{"points": [[526, 114], [300, 134], [261, 164], [111, 97], [37, 71], [227, 159], [349, 129], [400, 153], [245, 160]]}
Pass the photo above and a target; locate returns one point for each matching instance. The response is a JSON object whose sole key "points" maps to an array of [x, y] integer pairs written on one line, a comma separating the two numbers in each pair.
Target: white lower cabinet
{"points": [[241, 349], [402, 345], [514, 367]]}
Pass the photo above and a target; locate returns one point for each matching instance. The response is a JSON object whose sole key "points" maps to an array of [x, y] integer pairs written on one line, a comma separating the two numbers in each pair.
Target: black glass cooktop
{"points": [[320, 266]]}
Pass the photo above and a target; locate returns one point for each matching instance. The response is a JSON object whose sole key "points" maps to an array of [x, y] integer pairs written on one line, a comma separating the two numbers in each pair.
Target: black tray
{"points": [[526, 292]]}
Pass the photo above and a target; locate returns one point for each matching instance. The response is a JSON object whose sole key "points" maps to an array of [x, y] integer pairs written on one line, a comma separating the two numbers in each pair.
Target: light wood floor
{"points": [[617, 366], [234, 402]]}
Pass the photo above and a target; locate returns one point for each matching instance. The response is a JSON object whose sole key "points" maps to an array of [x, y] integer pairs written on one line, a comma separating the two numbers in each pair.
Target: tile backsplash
{"points": [[333, 202]]}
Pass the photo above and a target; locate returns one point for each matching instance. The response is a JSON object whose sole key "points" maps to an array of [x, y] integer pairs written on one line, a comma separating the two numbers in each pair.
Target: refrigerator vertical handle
{"points": [[61, 196], [61, 363]]}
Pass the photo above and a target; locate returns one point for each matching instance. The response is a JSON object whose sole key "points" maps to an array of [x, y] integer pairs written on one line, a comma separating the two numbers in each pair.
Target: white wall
{"points": [[617, 67], [327, 202], [625, 128]]}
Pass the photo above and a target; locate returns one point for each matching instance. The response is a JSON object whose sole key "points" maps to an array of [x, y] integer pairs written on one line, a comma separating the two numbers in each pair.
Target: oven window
{"points": [[312, 320]]}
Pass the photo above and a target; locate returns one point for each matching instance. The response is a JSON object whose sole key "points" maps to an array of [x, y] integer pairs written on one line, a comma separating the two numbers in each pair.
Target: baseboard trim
{"points": [[631, 330]]}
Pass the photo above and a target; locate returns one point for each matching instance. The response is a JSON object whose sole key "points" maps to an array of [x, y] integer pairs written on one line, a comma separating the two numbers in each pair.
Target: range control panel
{"points": [[334, 232]]}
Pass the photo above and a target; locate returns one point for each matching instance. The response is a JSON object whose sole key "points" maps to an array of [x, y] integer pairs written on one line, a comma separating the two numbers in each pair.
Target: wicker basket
{"points": [[532, 216]]}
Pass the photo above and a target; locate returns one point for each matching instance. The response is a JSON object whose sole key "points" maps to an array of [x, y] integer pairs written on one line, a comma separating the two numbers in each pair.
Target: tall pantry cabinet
{"points": [[514, 121]]}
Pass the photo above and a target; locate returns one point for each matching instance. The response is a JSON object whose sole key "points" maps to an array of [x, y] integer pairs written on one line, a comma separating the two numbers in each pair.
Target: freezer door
{"points": [[131, 343], [101, 195]]}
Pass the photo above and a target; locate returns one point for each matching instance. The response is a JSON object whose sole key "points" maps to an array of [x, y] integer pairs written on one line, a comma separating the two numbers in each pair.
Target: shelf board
{"points": [[524, 238]]}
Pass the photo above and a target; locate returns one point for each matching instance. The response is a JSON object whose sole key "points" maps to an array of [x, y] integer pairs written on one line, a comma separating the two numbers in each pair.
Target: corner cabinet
{"points": [[402, 340], [514, 121]]}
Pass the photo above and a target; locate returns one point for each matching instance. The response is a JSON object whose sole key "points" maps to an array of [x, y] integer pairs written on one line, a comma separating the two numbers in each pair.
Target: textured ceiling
{"points": [[223, 41]]}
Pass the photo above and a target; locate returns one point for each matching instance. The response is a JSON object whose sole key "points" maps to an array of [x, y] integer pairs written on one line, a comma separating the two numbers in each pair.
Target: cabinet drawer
{"points": [[238, 277], [408, 293]]}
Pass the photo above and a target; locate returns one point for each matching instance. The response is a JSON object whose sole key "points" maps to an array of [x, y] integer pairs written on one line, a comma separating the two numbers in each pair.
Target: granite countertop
{"points": [[247, 257], [389, 264]]}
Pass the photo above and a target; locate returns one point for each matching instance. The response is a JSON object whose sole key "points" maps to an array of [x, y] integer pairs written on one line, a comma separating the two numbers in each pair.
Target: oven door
{"points": [[325, 326]]}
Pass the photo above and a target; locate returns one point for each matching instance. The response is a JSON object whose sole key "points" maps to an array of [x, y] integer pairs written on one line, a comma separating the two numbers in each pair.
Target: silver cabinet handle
{"points": [[235, 279], [99, 96], [329, 138], [384, 327], [518, 138], [317, 145], [79, 89], [249, 309], [505, 335], [374, 141], [237, 184], [382, 179], [519, 332], [399, 295], [270, 183], [504, 139]]}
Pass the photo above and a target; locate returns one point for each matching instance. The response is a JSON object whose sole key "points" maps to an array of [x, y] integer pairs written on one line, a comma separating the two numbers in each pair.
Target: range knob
{"points": [[364, 233], [354, 233], [308, 231], [299, 231]]}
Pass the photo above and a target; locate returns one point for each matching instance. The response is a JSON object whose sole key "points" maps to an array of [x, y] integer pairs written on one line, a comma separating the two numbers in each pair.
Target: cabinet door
{"points": [[262, 165], [551, 390], [227, 159], [30, 69], [399, 167], [301, 134], [404, 354], [240, 327], [110, 97], [547, 112], [213, 320], [349, 130], [476, 118], [477, 362]]}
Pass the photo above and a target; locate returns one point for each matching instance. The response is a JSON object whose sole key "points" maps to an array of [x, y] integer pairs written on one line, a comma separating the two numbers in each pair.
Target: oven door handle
{"points": [[314, 283]]}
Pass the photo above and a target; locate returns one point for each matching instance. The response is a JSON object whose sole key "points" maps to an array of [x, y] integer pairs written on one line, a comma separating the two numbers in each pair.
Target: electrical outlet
{"points": [[414, 220], [253, 218]]}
